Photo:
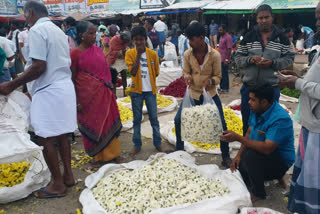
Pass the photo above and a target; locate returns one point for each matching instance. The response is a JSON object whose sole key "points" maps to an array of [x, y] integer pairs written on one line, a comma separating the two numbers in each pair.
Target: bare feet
{"points": [[134, 151], [254, 198]]}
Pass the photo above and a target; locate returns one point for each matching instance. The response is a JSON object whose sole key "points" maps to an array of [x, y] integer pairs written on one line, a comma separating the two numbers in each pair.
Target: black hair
{"points": [[114, 75], [264, 92], [3, 32], [264, 7], [70, 21], [138, 31], [82, 27], [57, 23], [195, 29], [125, 36], [158, 18], [37, 7], [223, 26], [151, 21]]}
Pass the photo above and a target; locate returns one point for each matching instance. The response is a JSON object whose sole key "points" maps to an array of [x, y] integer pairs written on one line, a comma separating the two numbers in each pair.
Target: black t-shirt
{"points": [[153, 35]]}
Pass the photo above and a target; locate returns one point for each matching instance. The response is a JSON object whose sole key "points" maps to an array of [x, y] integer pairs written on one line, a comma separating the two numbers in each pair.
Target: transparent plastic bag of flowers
{"points": [[200, 123]]}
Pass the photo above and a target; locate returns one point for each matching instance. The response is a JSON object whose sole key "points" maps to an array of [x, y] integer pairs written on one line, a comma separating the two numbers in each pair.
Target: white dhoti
{"points": [[53, 110], [120, 65]]}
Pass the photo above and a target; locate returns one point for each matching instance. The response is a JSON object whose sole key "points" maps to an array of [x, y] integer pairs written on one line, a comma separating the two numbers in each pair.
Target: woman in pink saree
{"points": [[98, 114]]}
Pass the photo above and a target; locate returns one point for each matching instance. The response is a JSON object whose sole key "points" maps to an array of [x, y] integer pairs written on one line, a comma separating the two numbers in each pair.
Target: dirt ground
{"points": [[70, 203]]}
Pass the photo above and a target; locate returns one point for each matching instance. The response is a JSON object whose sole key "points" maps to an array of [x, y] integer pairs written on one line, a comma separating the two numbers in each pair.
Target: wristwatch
{"points": [[226, 60]]}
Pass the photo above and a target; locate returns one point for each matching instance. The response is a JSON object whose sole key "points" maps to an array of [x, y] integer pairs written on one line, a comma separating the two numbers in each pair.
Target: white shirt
{"points": [[160, 26], [149, 43], [14, 34], [145, 76], [181, 40], [49, 43], [23, 37], [5, 45]]}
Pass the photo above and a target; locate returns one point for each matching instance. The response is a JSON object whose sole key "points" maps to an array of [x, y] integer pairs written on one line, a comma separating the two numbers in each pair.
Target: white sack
{"points": [[238, 196]]}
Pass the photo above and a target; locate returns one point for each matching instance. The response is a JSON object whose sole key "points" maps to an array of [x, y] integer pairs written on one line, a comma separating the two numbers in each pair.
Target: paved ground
{"points": [[70, 203]]}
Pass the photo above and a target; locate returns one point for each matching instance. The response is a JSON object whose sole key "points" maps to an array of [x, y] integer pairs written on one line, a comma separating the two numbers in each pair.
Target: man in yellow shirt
{"points": [[143, 64], [201, 69]]}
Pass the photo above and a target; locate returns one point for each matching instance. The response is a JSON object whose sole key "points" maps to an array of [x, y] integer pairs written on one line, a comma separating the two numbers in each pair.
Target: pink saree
{"points": [[99, 122]]}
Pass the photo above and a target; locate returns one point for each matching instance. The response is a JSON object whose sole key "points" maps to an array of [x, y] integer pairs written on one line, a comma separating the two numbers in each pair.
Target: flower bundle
{"points": [[161, 101], [165, 183], [201, 123], [234, 123], [204, 146], [13, 173], [176, 88], [126, 114]]}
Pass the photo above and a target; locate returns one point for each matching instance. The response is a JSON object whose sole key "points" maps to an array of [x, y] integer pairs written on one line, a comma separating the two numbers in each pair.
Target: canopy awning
{"points": [[232, 6], [290, 6], [171, 12], [187, 5]]}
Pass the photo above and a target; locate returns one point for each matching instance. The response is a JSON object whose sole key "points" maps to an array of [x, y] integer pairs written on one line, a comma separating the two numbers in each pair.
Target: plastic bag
{"points": [[200, 123], [188, 101]]}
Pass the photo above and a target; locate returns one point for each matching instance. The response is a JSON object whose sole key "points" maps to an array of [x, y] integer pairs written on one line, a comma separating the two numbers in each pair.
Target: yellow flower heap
{"points": [[13, 173], [161, 101], [125, 113], [205, 146], [234, 123]]}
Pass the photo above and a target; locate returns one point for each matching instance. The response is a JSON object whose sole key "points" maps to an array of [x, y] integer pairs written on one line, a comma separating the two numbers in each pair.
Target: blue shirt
{"points": [[214, 29], [306, 30], [275, 125]]}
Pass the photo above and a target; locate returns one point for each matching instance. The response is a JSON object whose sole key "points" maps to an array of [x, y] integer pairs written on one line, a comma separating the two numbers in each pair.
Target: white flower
{"points": [[163, 184], [201, 123]]}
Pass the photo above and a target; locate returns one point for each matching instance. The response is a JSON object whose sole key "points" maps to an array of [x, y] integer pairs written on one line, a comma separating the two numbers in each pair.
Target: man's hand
{"points": [[5, 88], [235, 163], [255, 59], [288, 72], [187, 80], [208, 83], [226, 63], [266, 63], [289, 82], [229, 136]]}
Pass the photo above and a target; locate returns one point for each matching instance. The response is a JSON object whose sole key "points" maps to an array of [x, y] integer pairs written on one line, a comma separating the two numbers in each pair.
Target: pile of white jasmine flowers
{"points": [[201, 124], [165, 183]]}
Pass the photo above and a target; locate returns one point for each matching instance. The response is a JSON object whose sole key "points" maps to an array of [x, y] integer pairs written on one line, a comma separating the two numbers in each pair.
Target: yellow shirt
{"points": [[211, 70], [153, 66]]}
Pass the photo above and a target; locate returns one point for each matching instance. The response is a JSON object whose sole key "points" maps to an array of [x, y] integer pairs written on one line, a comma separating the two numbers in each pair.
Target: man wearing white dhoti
{"points": [[53, 107]]}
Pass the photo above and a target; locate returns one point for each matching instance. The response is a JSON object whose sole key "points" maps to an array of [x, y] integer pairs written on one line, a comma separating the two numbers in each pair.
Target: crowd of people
{"points": [[72, 86]]}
